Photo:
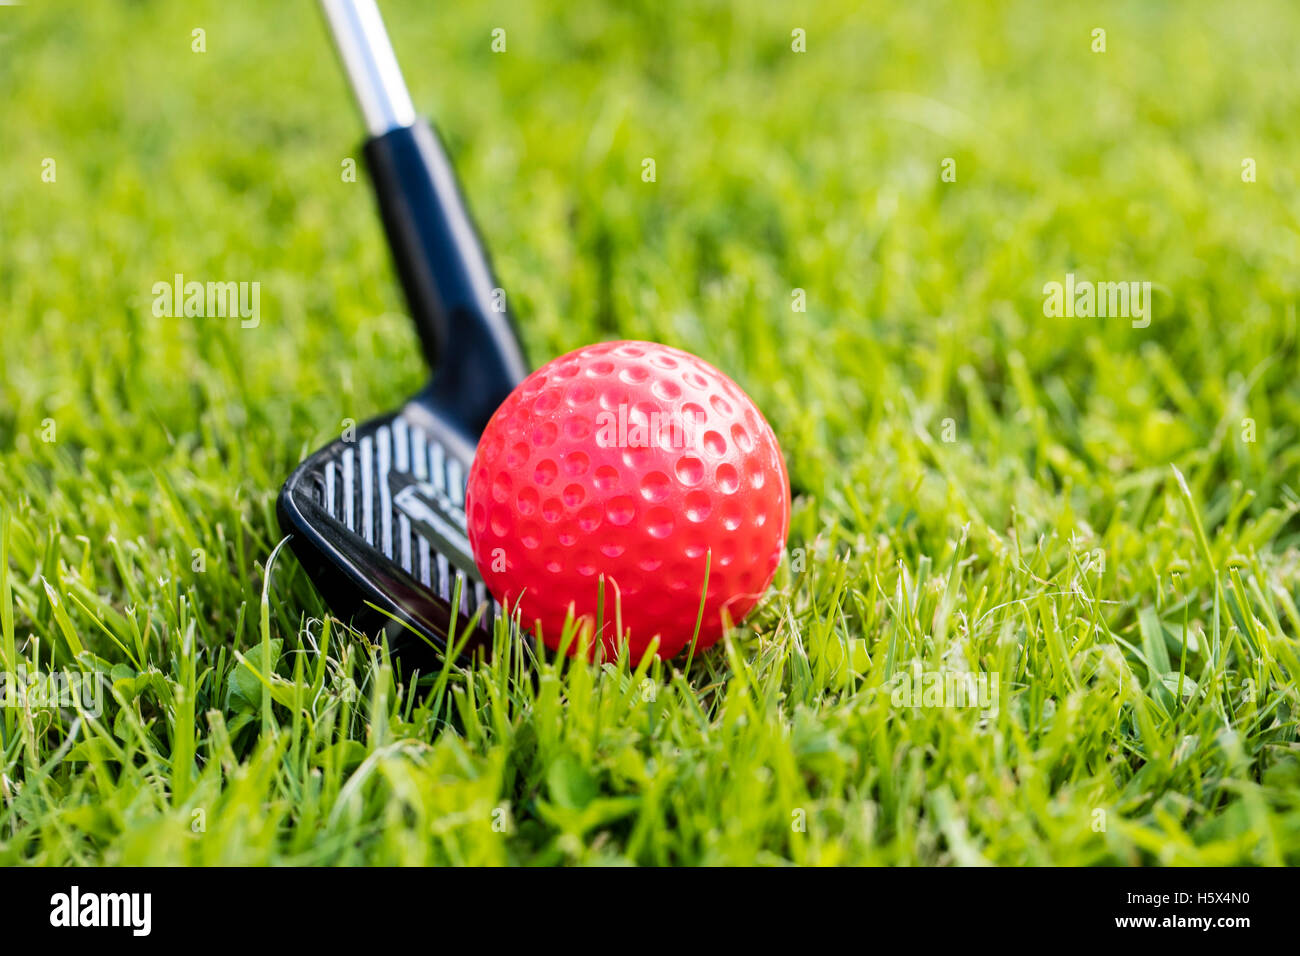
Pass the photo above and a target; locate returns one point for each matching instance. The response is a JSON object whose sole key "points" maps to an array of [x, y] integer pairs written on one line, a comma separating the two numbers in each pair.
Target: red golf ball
{"points": [[639, 463]]}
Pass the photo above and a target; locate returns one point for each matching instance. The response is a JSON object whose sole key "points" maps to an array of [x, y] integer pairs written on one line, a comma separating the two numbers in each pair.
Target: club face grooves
{"points": [[377, 518]]}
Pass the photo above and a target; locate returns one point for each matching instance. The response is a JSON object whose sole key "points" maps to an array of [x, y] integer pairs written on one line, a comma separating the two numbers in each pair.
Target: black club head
{"points": [[378, 521]]}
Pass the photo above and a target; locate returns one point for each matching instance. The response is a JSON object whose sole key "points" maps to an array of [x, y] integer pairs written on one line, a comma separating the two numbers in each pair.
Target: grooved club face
{"points": [[380, 520]]}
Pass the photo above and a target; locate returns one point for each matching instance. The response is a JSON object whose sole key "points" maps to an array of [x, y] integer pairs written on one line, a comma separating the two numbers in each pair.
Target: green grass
{"points": [[1143, 628]]}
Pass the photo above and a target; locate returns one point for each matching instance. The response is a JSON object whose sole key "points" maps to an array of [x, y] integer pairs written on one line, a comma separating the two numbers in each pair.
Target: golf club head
{"points": [[377, 518], [378, 521]]}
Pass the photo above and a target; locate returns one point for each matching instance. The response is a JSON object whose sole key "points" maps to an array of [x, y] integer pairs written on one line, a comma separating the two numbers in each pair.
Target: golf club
{"points": [[377, 518]]}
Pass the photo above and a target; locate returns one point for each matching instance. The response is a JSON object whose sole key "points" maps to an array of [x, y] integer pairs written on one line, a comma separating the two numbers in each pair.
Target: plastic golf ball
{"points": [[637, 485]]}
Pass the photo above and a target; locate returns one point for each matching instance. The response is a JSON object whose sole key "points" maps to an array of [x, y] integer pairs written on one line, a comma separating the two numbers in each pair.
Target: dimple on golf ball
{"points": [[637, 484]]}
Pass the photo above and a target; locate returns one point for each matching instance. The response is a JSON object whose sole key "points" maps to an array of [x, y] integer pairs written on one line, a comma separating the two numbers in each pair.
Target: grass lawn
{"points": [[1095, 517]]}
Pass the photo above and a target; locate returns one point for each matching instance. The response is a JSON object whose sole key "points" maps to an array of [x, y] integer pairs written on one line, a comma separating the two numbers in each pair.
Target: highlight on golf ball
{"points": [[638, 484]]}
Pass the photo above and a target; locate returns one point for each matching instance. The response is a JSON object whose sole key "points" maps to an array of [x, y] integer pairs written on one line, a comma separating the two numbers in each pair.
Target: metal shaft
{"points": [[370, 63]]}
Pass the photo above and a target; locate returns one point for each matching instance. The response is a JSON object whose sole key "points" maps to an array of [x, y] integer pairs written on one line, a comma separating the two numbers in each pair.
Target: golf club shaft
{"points": [[370, 63], [458, 309]]}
